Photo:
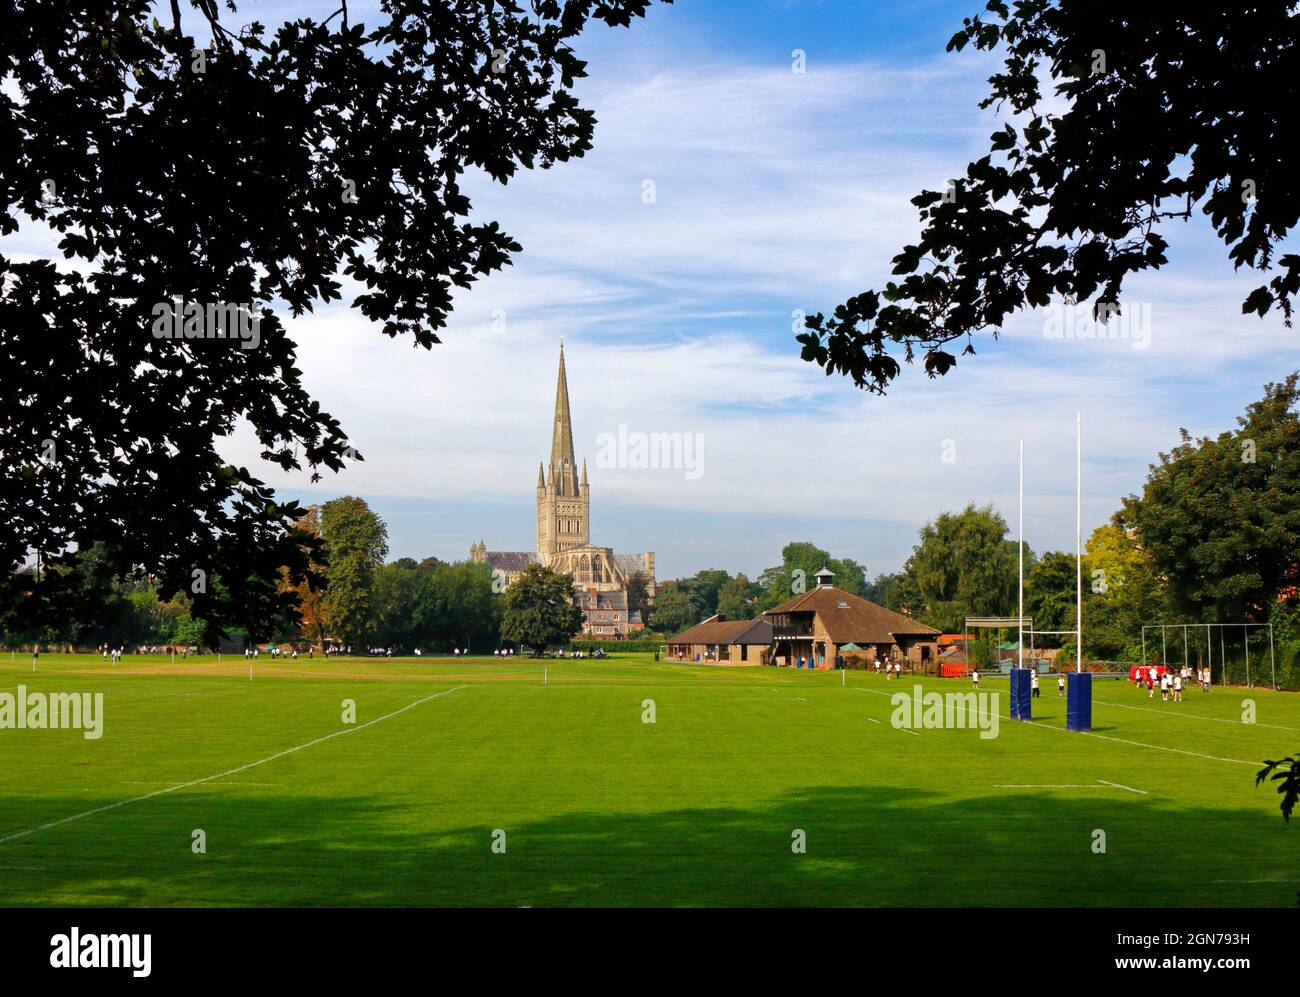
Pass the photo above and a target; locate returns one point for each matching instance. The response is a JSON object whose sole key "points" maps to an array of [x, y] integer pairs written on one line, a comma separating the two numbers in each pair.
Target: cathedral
{"points": [[600, 577]]}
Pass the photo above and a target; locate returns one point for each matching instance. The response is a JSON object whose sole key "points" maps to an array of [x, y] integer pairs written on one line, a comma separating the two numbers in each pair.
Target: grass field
{"points": [[601, 808]]}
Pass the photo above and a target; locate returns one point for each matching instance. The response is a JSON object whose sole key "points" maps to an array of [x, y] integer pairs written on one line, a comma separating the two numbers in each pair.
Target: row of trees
{"points": [[686, 601], [350, 594], [1213, 537]]}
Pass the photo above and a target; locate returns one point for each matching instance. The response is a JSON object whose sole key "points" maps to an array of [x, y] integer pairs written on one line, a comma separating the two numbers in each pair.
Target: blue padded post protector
{"points": [[1020, 699], [1078, 701]]}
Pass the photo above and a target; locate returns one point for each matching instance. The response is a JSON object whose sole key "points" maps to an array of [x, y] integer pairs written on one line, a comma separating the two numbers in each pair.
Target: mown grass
{"points": [[599, 807]]}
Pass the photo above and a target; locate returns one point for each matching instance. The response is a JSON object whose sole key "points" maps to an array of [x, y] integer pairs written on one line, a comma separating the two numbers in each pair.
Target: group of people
{"points": [[1171, 683], [893, 669], [1034, 690], [275, 652]]}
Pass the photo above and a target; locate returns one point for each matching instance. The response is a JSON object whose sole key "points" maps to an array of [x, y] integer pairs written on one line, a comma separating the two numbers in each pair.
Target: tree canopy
{"points": [[673, 610], [800, 561], [355, 545], [963, 566], [1167, 110], [1220, 518], [539, 609], [197, 166]]}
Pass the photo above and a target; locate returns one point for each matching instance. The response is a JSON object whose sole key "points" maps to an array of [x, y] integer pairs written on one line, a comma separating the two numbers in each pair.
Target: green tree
{"points": [[737, 598], [1165, 110], [355, 543], [343, 147], [394, 598], [702, 589], [189, 632], [467, 613], [1122, 592], [800, 561], [1050, 595], [963, 566], [638, 595], [673, 610], [539, 610], [1220, 518], [884, 589]]}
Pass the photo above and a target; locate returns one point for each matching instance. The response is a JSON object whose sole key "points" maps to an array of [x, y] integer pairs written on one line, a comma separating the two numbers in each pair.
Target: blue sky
{"points": [[774, 192]]}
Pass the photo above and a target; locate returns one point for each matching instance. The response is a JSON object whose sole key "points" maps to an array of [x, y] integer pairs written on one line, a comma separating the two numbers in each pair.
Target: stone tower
{"points": [[563, 500]]}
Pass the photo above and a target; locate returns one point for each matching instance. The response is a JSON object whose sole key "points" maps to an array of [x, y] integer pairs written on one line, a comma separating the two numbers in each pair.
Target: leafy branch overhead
{"points": [[181, 158], [1169, 110], [1286, 773]]}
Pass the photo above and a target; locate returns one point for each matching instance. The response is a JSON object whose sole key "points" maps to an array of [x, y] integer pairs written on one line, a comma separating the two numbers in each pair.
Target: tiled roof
{"points": [[511, 560], [851, 618], [631, 563], [726, 632], [589, 600]]}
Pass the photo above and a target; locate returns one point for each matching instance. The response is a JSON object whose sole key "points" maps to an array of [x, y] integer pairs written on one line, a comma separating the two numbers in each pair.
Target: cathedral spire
{"points": [[564, 473]]}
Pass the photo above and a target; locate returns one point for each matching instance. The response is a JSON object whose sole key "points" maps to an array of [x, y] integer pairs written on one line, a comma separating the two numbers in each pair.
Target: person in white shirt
{"points": [[1060, 685], [1164, 687], [1178, 688], [975, 677], [1033, 683]]}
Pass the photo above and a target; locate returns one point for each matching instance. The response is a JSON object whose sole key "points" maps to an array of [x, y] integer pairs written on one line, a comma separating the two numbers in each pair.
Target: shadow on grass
{"points": [[865, 846]]}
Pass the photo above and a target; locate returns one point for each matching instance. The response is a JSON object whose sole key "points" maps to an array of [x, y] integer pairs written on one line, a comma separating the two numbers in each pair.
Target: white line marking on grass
{"points": [[1192, 716], [905, 730], [1140, 744], [1140, 792], [165, 782], [1106, 737], [229, 772], [873, 720]]}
